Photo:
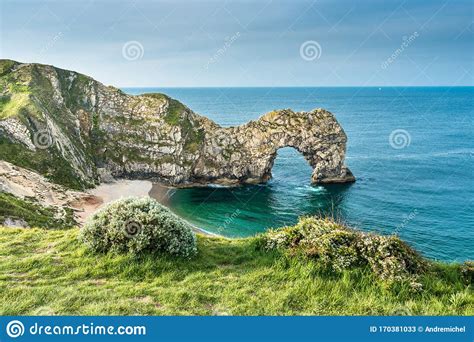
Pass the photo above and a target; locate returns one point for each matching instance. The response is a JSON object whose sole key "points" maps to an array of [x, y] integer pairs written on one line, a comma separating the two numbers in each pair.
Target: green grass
{"points": [[32, 213], [174, 113], [50, 272], [14, 105], [6, 66]]}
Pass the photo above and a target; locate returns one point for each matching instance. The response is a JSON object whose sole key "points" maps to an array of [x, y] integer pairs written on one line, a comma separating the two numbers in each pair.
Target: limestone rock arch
{"points": [[96, 131], [246, 153]]}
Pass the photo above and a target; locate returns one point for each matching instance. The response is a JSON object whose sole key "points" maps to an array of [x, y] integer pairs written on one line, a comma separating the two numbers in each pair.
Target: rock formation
{"points": [[26, 184], [27, 197], [77, 131]]}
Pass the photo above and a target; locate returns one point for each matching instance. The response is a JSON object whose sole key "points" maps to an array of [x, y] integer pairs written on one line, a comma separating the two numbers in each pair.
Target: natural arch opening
{"points": [[290, 166]]}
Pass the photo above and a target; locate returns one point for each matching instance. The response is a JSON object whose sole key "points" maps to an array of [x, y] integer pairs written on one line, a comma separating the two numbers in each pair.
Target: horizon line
{"points": [[292, 86]]}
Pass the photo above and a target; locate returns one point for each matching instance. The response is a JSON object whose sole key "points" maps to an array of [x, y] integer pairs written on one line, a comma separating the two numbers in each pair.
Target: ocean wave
{"points": [[311, 188], [219, 186]]}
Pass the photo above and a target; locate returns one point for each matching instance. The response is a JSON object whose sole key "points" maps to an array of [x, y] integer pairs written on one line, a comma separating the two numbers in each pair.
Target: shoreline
{"points": [[163, 193], [108, 192]]}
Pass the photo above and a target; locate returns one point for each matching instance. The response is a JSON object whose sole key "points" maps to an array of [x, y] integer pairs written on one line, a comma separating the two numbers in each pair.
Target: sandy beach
{"points": [[161, 193], [109, 192]]}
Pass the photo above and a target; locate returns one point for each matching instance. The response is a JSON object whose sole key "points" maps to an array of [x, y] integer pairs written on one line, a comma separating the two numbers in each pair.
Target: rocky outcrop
{"points": [[78, 132], [27, 198], [25, 184]]}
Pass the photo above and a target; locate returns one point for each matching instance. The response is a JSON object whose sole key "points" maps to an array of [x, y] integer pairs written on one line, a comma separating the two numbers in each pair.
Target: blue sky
{"points": [[246, 43]]}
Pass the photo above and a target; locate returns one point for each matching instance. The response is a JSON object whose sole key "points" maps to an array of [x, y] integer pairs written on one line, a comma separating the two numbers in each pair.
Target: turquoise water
{"points": [[423, 191]]}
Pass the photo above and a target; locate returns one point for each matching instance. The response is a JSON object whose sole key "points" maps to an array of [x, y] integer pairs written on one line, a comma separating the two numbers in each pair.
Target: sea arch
{"points": [[246, 153]]}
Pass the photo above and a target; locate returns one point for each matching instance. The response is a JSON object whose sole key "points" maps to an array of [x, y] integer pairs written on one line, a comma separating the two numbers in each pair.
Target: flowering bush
{"points": [[467, 271], [340, 247], [136, 225]]}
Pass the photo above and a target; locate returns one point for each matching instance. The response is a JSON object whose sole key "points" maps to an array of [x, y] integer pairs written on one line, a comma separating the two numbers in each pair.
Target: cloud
{"points": [[179, 38]]}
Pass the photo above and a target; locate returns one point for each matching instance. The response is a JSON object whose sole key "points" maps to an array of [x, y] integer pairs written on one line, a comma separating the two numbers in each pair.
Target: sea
{"points": [[410, 148]]}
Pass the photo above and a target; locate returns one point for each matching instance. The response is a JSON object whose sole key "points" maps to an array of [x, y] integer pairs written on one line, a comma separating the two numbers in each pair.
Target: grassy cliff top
{"points": [[49, 272]]}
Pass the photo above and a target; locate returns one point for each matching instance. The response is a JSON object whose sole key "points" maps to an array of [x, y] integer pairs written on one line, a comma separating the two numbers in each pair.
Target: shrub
{"points": [[137, 225], [390, 257], [281, 238], [467, 271], [336, 249], [339, 247]]}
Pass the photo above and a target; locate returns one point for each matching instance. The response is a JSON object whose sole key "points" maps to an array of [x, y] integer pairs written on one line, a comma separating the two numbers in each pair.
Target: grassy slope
{"points": [[33, 213], [51, 272]]}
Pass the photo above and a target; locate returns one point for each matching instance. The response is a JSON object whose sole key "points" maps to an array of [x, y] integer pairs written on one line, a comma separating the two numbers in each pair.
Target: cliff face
{"points": [[76, 131]]}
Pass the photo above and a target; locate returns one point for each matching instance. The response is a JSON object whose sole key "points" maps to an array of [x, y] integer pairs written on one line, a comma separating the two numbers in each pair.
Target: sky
{"points": [[144, 43]]}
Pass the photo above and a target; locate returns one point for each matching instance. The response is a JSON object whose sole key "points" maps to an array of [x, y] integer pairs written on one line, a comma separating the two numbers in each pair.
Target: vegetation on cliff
{"points": [[34, 214], [45, 162], [30, 104], [73, 129]]}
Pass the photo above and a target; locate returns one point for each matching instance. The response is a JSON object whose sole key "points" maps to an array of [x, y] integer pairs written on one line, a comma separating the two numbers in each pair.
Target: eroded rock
{"points": [[95, 132]]}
